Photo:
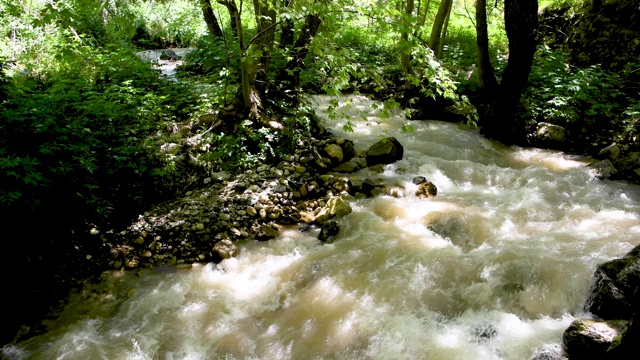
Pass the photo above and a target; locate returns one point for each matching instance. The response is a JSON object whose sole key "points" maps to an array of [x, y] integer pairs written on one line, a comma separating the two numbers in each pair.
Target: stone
{"points": [[426, 190], [329, 229], [603, 169], [616, 282], [419, 180], [610, 152], [263, 213], [171, 148], [225, 217], [139, 240], [336, 206], [268, 231], [625, 345], [301, 169], [385, 151], [225, 249], [206, 180], [335, 152], [551, 133], [628, 163], [590, 339], [348, 150], [199, 226], [348, 167], [94, 232], [251, 211], [367, 186]]}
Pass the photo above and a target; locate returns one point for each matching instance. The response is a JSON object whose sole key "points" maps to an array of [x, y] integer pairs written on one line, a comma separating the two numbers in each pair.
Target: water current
{"points": [[495, 267]]}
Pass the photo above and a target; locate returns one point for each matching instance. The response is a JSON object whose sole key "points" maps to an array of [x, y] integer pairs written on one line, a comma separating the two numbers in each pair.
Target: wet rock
{"points": [[329, 229], [549, 353], [551, 134], [335, 152], [628, 163], [604, 169], [590, 339], [426, 189], [225, 249], [419, 180], [385, 151], [268, 231], [336, 206], [616, 283], [611, 152], [367, 186], [350, 166], [625, 345], [485, 332], [348, 150]]}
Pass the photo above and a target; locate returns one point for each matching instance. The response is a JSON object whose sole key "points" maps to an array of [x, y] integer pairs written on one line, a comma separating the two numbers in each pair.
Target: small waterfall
{"points": [[495, 267]]}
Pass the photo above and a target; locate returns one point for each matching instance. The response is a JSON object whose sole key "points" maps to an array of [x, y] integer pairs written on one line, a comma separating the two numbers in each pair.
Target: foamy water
{"points": [[495, 267]]}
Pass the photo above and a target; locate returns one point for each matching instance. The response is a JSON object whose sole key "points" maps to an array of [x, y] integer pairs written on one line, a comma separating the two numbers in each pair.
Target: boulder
{"points": [[335, 153], [628, 163], [426, 189], [336, 206], [225, 249], [626, 345], [590, 339], [616, 282], [551, 134], [268, 232], [350, 166], [329, 229], [348, 150], [385, 151], [419, 180], [610, 152], [604, 169]]}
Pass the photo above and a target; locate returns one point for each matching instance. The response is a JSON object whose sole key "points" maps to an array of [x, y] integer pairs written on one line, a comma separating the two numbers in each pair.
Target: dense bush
{"points": [[569, 96]]}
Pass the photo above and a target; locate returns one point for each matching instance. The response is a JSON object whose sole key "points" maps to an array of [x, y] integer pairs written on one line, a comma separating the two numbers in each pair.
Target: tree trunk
{"points": [[210, 18], [288, 77], [234, 14], [405, 57], [486, 73], [521, 20], [438, 24], [286, 32], [440, 51]]}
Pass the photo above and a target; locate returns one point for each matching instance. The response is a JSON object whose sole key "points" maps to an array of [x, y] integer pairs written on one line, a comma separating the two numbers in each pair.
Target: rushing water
{"points": [[495, 267]]}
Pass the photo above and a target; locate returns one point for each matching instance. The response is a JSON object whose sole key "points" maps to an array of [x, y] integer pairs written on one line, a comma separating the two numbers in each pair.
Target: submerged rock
{"points": [[590, 339], [329, 229], [225, 249], [385, 151], [426, 189]]}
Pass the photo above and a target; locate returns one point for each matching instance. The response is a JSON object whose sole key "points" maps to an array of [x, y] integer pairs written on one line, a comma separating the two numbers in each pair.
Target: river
{"points": [[495, 267]]}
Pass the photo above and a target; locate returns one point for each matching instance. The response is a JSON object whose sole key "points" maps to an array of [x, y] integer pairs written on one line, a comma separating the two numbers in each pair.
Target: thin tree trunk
{"points": [[210, 18], [438, 24], [521, 20], [440, 51], [485, 70], [234, 14], [286, 32], [405, 58], [425, 12]]}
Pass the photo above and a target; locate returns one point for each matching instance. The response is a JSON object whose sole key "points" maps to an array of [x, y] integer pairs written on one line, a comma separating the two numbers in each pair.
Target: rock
{"points": [[350, 166], [199, 226], [590, 339], [625, 345], [206, 180], [610, 152], [603, 169], [335, 152], [139, 240], [367, 186], [301, 169], [385, 151], [251, 211], [348, 150], [628, 163], [379, 168], [551, 134], [419, 180], [94, 232], [616, 282], [225, 217], [553, 352], [221, 175], [329, 229], [426, 189], [336, 206], [225, 249], [268, 231]]}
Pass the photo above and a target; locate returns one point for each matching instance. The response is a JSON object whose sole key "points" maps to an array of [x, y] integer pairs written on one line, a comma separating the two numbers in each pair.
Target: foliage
{"points": [[86, 136], [570, 96]]}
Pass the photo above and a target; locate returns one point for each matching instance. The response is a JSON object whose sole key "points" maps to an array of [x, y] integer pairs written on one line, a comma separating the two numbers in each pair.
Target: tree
{"points": [[497, 113], [210, 18], [438, 30]]}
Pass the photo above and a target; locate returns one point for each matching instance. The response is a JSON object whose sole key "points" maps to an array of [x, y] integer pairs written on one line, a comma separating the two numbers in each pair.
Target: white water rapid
{"points": [[495, 267]]}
